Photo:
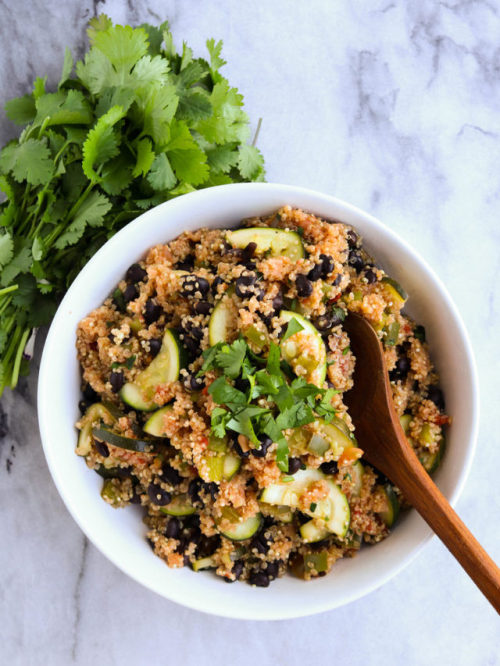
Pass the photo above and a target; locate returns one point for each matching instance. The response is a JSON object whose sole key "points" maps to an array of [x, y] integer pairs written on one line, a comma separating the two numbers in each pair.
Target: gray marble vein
{"points": [[393, 106]]}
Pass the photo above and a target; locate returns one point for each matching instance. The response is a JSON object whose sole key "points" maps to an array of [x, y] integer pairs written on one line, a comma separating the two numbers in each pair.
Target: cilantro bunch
{"points": [[290, 402], [136, 125]]}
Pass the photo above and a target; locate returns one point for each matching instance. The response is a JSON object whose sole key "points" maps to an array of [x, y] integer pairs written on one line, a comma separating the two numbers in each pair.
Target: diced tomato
{"points": [[349, 456]]}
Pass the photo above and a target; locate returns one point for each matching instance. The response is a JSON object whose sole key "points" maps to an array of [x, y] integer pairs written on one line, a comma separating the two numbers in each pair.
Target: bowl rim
{"points": [[209, 193]]}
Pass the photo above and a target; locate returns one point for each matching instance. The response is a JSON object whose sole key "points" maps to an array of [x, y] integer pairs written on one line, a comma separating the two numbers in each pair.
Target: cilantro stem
{"points": [[18, 358], [257, 131], [7, 290]]}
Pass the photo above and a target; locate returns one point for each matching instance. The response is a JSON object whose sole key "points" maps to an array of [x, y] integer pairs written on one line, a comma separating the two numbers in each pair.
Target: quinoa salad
{"points": [[213, 380]]}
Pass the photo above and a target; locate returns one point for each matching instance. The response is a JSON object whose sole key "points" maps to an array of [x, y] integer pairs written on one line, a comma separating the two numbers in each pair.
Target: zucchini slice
{"points": [[310, 532], [154, 425], [431, 461], [391, 513], [305, 350], [275, 242], [394, 291], [357, 471], [94, 415], [244, 530], [221, 320], [405, 420], [282, 514], [321, 436], [164, 368], [333, 510], [204, 563], [113, 438], [222, 467], [179, 506]]}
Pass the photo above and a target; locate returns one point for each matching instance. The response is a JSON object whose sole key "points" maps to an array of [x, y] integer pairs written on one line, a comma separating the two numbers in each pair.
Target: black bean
{"points": [[194, 383], [157, 495], [265, 443], [435, 395], [217, 281], [324, 322], [155, 346], [173, 528], [352, 238], [152, 311], [315, 273], [191, 344], [193, 535], [267, 319], [248, 251], [303, 286], [211, 489], [272, 569], [208, 545], [83, 406], [194, 490], [194, 285], [329, 467], [197, 332], [261, 543], [151, 543], [250, 265], [259, 579], [171, 475], [319, 545], [327, 265], [294, 464], [356, 260], [136, 273], [130, 293], [202, 307], [237, 569], [183, 542], [192, 521], [89, 394], [101, 448], [239, 450], [136, 497], [278, 302], [337, 280], [401, 369], [186, 264], [370, 275], [117, 380], [244, 285]]}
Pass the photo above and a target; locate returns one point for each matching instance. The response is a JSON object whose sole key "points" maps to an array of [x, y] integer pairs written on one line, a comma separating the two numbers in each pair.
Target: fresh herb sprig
{"points": [[138, 124], [286, 404]]}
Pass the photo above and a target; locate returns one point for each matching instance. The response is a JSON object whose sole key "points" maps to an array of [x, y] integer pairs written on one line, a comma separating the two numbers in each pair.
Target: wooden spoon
{"points": [[385, 446]]}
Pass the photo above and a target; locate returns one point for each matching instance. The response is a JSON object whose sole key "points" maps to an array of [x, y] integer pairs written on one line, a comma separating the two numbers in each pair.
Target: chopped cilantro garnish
{"points": [[312, 507], [130, 361], [293, 327], [346, 350], [289, 402]]}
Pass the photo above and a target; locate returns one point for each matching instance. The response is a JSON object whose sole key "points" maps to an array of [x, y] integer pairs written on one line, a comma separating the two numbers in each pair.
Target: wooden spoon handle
{"points": [[428, 500]]}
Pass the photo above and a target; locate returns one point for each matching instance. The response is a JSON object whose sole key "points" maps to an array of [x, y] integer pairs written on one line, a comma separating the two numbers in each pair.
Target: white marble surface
{"points": [[395, 107]]}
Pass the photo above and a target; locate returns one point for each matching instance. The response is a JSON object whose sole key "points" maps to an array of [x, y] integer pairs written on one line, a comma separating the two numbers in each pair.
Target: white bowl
{"points": [[119, 534]]}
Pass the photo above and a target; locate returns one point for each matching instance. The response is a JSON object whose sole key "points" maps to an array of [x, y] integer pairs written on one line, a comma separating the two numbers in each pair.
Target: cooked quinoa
{"points": [[213, 381]]}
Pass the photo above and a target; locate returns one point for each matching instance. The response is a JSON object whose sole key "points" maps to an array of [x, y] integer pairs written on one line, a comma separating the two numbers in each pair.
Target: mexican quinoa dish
{"points": [[213, 381]]}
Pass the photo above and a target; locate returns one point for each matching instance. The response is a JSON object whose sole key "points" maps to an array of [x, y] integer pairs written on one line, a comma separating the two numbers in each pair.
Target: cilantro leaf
{"points": [[30, 161], [230, 358], [250, 162], [219, 418], [145, 157], [21, 110], [273, 360], [161, 176], [101, 143], [293, 327], [91, 213], [67, 67], [6, 249], [225, 394]]}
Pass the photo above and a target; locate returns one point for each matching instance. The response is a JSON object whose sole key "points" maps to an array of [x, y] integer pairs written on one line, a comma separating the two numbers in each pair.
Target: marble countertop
{"points": [[393, 105]]}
